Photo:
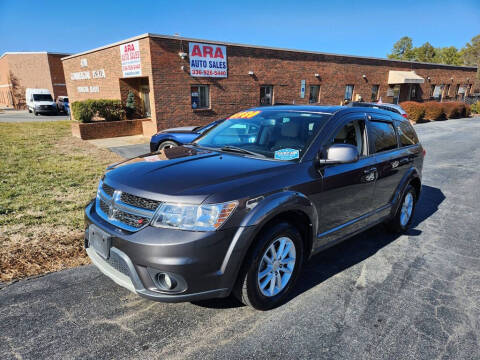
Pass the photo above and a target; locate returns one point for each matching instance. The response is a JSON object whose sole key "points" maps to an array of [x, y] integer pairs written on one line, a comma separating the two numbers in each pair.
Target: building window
{"points": [[447, 90], [462, 91], [374, 96], [266, 95], [437, 92], [200, 96], [413, 91], [348, 92], [314, 94]]}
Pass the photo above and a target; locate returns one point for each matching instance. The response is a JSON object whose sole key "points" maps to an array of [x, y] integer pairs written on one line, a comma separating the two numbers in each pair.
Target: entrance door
{"points": [[396, 94], [145, 96], [266, 95]]}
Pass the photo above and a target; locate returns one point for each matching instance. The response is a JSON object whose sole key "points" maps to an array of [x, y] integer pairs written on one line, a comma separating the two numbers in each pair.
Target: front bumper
{"points": [[50, 110], [208, 262]]}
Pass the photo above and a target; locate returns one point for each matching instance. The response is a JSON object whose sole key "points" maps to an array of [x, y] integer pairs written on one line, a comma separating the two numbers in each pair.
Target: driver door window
{"points": [[353, 133]]}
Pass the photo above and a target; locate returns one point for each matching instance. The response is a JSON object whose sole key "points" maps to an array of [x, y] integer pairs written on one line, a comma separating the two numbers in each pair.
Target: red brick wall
{"points": [[5, 92], [37, 70], [57, 76], [109, 60], [170, 84], [107, 129], [282, 69]]}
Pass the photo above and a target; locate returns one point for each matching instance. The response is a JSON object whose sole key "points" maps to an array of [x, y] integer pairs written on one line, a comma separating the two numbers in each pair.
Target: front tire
{"points": [[271, 268], [403, 218], [167, 145]]}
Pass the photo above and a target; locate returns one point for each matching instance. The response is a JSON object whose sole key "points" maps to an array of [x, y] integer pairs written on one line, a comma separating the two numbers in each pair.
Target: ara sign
{"points": [[131, 62], [207, 60]]}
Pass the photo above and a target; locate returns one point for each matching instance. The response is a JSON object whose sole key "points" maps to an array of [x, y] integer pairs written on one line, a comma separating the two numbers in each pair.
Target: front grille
{"points": [[118, 264], [108, 189], [124, 210], [138, 201], [131, 219]]}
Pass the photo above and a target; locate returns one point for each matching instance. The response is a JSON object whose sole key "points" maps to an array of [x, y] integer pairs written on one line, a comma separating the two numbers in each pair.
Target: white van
{"points": [[40, 101]]}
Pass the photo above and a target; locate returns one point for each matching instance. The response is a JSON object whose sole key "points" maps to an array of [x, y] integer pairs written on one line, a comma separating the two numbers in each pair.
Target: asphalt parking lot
{"points": [[375, 296], [15, 116]]}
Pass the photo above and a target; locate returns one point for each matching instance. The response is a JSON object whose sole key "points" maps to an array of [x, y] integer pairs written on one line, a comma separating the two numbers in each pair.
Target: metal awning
{"points": [[404, 77]]}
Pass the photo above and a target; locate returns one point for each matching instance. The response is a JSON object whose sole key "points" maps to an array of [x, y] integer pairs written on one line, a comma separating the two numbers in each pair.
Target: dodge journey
{"points": [[242, 208]]}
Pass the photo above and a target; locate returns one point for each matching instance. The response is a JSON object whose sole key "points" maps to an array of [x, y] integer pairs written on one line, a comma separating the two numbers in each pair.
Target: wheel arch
{"points": [[300, 220], [289, 206], [412, 177]]}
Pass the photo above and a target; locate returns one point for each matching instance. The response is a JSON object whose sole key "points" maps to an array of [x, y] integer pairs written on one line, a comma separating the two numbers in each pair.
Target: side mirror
{"points": [[340, 154]]}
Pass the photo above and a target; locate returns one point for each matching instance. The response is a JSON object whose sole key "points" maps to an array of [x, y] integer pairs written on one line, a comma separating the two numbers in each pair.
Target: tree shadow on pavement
{"points": [[334, 260]]}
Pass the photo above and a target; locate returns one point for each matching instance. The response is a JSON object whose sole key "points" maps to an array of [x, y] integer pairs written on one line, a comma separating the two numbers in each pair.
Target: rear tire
{"points": [[267, 277], [402, 220], [167, 145]]}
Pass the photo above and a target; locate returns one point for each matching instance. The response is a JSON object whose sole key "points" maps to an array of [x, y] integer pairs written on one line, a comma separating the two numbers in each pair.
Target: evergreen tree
{"points": [[130, 106]]}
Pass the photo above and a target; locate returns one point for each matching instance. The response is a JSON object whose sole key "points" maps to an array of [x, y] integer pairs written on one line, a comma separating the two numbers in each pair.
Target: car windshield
{"points": [[42, 97], [65, 100], [202, 129], [281, 135]]}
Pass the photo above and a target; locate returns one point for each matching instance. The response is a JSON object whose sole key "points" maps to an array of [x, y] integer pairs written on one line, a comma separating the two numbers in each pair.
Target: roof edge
{"points": [[108, 46], [174, 37], [33, 52]]}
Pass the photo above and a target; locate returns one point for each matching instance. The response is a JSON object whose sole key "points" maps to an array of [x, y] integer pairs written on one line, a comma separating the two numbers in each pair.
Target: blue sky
{"points": [[365, 27]]}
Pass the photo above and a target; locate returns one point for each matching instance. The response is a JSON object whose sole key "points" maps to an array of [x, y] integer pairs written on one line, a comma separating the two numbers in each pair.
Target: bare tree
{"points": [[18, 92]]}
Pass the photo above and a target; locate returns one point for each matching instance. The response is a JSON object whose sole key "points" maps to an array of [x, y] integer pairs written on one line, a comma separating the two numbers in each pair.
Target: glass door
{"points": [[396, 94], [145, 96]]}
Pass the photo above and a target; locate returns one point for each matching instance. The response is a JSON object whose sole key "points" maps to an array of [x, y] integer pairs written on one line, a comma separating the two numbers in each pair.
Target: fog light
{"points": [[166, 281]]}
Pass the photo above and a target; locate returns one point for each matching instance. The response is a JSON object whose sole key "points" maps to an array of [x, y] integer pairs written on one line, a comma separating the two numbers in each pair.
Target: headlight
{"points": [[208, 217]]}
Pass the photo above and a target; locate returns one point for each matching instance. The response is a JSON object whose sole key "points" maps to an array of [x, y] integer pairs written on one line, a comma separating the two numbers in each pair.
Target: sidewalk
{"points": [[125, 146]]}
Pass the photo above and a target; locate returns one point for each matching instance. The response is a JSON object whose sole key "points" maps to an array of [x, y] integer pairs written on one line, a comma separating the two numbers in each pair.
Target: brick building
{"points": [[21, 70], [178, 81]]}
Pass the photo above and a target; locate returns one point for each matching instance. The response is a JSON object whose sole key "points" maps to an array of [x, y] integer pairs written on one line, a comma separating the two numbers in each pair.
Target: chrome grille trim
{"points": [[118, 213]]}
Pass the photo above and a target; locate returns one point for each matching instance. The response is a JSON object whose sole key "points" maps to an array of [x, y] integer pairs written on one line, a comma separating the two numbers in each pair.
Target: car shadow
{"points": [[334, 260]]}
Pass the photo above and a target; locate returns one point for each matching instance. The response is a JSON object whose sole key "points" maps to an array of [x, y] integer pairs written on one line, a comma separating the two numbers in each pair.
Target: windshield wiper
{"points": [[240, 150]]}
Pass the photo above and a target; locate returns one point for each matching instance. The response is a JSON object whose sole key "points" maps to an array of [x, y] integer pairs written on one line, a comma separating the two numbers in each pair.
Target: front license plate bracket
{"points": [[100, 241]]}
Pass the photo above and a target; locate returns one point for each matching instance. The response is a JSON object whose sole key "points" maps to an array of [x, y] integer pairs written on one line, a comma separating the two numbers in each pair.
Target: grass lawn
{"points": [[46, 179]]}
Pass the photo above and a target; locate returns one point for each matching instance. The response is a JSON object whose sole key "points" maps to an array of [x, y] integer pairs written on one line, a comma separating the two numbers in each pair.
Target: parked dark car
{"points": [[242, 208], [62, 104], [169, 138]]}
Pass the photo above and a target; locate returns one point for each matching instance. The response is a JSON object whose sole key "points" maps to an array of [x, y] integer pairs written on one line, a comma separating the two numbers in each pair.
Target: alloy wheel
{"points": [[276, 266], [406, 210]]}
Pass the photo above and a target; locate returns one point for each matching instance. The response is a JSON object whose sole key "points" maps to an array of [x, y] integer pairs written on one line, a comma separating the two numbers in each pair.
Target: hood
{"points": [[44, 103], [182, 129], [190, 175]]}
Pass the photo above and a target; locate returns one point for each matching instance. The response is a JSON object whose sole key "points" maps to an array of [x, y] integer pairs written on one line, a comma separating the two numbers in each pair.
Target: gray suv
{"points": [[242, 208]]}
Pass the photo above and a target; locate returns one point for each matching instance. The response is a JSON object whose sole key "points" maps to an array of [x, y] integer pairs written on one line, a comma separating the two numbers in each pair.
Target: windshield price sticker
{"points": [[287, 154], [245, 115]]}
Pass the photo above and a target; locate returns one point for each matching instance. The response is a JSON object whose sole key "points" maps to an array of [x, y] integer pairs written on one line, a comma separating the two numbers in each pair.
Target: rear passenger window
{"points": [[382, 136], [407, 134]]}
